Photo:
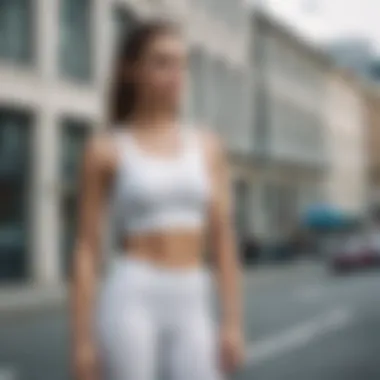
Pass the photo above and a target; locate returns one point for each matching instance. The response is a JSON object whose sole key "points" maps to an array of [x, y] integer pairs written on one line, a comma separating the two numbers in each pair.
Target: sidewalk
{"points": [[285, 268], [16, 299]]}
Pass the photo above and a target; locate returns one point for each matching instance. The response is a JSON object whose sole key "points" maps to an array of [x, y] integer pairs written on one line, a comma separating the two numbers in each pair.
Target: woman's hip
{"points": [[129, 281]]}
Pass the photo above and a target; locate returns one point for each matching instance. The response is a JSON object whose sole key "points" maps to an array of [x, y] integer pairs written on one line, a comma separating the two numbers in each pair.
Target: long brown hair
{"points": [[132, 45]]}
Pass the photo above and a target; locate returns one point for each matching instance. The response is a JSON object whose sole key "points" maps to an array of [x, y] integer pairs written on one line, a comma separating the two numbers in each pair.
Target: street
{"points": [[301, 323]]}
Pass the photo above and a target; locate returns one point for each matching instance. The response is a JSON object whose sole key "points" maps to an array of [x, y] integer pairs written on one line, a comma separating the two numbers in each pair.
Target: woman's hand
{"points": [[86, 364], [232, 350]]}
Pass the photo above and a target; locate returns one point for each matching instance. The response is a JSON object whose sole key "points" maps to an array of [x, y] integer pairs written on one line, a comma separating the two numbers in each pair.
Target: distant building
{"points": [[346, 144], [356, 54], [371, 94], [375, 70], [290, 86]]}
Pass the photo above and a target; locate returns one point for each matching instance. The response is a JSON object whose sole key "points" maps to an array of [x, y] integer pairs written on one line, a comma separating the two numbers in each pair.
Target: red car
{"points": [[355, 252]]}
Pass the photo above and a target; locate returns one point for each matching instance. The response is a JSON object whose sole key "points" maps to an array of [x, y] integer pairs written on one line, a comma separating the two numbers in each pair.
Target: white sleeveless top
{"points": [[153, 193]]}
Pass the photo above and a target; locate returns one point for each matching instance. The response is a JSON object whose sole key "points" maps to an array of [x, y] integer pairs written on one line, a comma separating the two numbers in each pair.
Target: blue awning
{"points": [[323, 216]]}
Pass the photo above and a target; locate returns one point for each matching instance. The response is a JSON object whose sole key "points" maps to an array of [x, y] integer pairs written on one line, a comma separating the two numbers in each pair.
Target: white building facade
{"points": [[346, 142], [54, 70], [290, 84]]}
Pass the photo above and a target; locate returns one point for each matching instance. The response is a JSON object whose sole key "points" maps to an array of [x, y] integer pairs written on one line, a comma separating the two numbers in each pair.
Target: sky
{"points": [[323, 20]]}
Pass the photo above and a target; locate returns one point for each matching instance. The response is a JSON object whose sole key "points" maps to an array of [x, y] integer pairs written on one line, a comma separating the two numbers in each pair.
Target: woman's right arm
{"points": [[86, 258]]}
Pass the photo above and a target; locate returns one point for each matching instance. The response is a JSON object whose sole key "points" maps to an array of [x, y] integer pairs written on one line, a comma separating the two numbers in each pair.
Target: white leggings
{"points": [[153, 321]]}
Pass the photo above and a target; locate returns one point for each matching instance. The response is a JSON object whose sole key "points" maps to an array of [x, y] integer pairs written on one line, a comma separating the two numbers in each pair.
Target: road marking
{"points": [[8, 373], [298, 336]]}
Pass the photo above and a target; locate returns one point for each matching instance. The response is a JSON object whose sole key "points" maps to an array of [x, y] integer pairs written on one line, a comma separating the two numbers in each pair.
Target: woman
{"points": [[168, 185]]}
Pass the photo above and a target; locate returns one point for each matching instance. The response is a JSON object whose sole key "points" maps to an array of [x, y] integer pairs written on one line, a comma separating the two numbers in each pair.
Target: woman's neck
{"points": [[153, 121], [150, 117]]}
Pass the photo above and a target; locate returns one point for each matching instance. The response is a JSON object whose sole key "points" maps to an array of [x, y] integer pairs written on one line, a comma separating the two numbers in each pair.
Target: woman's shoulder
{"points": [[100, 148], [211, 142]]}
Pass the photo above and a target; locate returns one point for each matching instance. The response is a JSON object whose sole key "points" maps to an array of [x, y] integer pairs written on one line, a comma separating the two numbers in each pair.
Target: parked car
{"points": [[250, 250], [354, 252], [374, 244]]}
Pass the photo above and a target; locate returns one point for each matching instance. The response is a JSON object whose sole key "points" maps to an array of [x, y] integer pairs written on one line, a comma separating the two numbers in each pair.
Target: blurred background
{"points": [[293, 88]]}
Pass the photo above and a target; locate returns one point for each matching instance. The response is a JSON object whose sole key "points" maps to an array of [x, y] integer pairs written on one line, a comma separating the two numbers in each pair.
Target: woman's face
{"points": [[161, 71]]}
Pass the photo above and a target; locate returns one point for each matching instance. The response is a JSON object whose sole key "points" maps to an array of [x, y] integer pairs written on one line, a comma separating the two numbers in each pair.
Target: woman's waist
{"points": [[179, 249], [135, 278], [129, 265]]}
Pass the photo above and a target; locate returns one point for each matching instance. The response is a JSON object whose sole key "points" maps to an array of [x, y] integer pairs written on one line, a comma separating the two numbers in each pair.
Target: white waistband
{"points": [[124, 263]]}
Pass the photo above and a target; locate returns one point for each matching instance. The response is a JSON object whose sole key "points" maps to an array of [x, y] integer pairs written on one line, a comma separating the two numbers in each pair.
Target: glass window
{"points": [[225, 98], [196, 86], [229, 93], [74, 136], [210, 92], [242, 209], [228, 10], [262, 121], [271, 204], [236, 117], [212, 6], [258, 50], [16, 30], [14, 183], [124, 21], [75, 39]]}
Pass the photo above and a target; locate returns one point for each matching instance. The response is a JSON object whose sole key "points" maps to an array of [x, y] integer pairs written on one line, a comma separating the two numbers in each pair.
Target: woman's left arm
{"points": [[224, 247]]}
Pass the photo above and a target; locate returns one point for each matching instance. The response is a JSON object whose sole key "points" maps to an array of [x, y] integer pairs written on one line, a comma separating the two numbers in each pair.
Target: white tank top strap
{"points": [[123, 144], [126, 146]]}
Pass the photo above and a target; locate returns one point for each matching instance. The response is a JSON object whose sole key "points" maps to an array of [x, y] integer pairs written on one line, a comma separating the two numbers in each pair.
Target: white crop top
{"points": [[153, 193]]}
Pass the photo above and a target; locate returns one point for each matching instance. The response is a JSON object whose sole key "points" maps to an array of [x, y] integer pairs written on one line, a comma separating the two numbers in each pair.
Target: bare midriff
{"points": [[179, 249]]}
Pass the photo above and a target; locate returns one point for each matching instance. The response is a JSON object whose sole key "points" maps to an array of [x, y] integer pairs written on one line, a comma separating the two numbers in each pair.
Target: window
{"points": [[123, 21], [219, 75], [224, 111], [196, 86], [242, 207], [16, 30], [237, 110], [15, 152], [212, 6], [75, 39], [261, 124], [230, 11], [238, 14], [226, 9], [271, 205], [210, 91], [259, 49], [230, 102], [74, 135]]}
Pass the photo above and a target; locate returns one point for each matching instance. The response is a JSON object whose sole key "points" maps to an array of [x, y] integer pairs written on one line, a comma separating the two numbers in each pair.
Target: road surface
{"points": [[301, 323]]}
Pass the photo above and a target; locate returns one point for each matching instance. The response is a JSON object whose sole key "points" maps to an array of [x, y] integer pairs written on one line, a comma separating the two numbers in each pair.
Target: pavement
{"points": [[301, 323]]}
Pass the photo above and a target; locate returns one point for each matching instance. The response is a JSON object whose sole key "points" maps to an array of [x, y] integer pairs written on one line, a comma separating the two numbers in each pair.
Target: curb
{"points": [[20, 300], [264, 269]]}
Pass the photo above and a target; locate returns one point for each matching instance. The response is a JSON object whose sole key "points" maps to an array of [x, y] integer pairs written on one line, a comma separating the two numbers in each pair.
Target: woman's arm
{"points": [[223, 237], [223, 245], [86, 254]]}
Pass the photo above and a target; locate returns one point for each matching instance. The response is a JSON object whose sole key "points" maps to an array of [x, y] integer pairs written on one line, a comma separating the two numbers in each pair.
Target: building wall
{"points": [[290, 85], [64, 86], [346, 184], [372, 105], [295, 83]]}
